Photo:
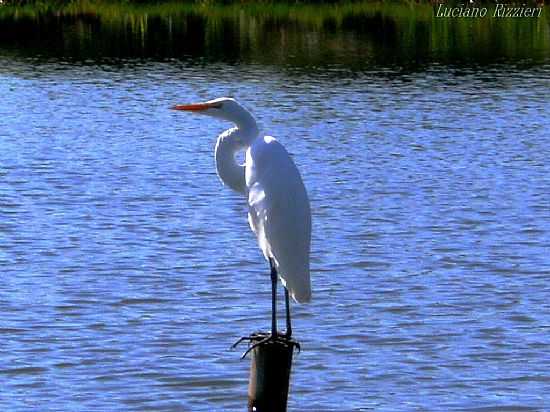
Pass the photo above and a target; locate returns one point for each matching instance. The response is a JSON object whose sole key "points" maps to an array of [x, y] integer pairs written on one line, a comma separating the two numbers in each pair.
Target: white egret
{"points": [[278, 206]]}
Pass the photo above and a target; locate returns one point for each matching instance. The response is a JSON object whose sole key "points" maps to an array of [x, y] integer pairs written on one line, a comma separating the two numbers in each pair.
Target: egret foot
{"points": [[261, 338], [252, 337], [254, 343]]}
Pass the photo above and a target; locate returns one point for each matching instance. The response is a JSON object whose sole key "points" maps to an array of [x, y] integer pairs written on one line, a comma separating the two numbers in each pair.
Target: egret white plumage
{"points": [[278, 205]]}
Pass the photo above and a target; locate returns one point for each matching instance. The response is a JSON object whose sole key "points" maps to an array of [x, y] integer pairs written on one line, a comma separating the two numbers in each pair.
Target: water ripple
{"points": [[128, 270]]}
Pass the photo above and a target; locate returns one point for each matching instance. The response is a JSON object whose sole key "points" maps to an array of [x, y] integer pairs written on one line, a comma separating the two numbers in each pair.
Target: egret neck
{"points": [[229, 143]]}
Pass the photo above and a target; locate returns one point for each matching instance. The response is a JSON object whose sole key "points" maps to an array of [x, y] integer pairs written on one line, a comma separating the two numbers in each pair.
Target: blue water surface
{"points": [[128, 270]]}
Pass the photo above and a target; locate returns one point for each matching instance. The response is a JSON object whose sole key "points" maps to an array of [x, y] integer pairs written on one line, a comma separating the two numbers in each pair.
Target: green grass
{"points": [[276, 31]]}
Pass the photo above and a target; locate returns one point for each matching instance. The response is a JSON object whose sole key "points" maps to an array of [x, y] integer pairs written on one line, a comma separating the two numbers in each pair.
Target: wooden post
{"points": [[270, 367]]}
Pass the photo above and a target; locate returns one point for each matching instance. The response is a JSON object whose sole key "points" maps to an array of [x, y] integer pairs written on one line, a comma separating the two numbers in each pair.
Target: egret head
{"points": [[224, 108]]}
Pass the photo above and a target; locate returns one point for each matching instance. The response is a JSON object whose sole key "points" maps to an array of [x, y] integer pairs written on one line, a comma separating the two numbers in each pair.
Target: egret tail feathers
{"points": [[300, 293]]}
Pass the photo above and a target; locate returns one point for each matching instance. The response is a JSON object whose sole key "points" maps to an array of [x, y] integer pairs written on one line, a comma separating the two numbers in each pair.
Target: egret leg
{"points": [[257, 339], [288, 324], [273, 298], [273, 335]]}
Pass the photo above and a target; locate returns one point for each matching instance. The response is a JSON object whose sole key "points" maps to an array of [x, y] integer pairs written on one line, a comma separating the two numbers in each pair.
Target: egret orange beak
{"points": [[195, 107]]}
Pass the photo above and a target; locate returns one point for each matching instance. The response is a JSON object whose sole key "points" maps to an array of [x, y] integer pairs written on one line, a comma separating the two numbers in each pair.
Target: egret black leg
{"points": [[288, 324], [273, 298], [259, 339]]}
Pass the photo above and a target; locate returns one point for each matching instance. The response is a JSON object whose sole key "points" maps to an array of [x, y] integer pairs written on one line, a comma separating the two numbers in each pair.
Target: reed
{"points": [[273, 32]]}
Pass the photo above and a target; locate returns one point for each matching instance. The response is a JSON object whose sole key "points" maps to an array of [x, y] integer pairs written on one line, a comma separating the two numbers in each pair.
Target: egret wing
{"points": [[279, 213]]}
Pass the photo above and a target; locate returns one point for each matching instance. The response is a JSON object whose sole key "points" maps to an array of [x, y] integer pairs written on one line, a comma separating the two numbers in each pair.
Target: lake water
{"points": [[128, 270]]}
